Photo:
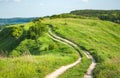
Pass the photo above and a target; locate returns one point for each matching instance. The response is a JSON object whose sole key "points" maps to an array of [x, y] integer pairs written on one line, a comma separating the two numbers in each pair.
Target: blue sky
{"points": [[38, 8]]}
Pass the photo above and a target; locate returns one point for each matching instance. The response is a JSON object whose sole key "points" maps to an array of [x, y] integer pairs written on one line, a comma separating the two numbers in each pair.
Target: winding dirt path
{"points": [[62, 69], [89, 73]]}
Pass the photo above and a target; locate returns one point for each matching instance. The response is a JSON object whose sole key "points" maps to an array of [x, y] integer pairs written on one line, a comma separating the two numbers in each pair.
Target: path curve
{"points": [[89, 73], [62, 69]]}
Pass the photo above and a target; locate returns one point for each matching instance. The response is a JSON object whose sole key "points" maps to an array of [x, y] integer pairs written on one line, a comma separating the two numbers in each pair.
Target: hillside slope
{"points": [[21, 57], [31, 51], [101, 38]]}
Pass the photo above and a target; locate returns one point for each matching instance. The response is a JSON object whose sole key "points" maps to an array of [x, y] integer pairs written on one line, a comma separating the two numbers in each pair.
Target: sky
{"points": [[39, 8]]}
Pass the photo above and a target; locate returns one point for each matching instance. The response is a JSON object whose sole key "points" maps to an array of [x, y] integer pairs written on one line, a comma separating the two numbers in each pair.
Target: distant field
{"points": [[101, 38], [4, 21]]}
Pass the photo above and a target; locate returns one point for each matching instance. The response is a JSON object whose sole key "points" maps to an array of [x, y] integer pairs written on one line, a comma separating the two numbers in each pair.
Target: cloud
{"points": [[85, 1], [41, 4], [17, 0], [10, 0], [4, 0]]}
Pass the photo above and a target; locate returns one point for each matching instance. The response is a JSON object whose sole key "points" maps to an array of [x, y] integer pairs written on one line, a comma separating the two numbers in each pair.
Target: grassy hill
{"points": [[21, 57], [100, 38], [27, 51]]}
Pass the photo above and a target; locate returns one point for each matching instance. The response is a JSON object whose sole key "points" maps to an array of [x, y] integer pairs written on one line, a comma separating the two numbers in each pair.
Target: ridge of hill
{"points": [[109, 15]]}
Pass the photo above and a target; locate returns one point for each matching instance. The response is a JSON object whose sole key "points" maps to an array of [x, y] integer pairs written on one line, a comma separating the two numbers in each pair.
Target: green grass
{"points": [[101, 38], [38, 65], [32, 66], [27, 60], [78, 71]]}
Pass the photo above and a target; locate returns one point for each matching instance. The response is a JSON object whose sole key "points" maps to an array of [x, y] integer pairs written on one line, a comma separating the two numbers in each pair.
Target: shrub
{"points": [[37, 30], [17, 32]]}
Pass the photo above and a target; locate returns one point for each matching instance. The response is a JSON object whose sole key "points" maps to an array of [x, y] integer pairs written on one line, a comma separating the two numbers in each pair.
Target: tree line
{"points": [[109, 15]]}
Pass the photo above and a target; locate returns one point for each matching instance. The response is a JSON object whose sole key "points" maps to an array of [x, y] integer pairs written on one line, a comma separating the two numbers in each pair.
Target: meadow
{"points": [[27, 60], [100, 38], [25, 53]]}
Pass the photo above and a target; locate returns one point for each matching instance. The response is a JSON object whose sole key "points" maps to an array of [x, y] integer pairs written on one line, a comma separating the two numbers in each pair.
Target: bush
{"points": [[15, 53], [17, 32], [37, 30]]}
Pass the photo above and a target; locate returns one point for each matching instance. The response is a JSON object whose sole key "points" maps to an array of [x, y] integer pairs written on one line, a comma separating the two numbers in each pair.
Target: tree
{"points": [[36, 31]]}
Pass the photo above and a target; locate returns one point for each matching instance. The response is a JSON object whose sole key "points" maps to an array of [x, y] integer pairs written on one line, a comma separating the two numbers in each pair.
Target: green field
{"points": [[26, 54], [100, 38], [26, 60]]}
